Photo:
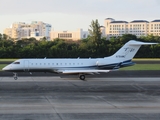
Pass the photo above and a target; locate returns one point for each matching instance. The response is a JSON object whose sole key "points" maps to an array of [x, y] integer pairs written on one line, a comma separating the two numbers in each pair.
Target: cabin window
{"points": [[65, 63], [44, 63], [52, 63], [48, 63], [16, 63], [57, 63], [40, 63]]}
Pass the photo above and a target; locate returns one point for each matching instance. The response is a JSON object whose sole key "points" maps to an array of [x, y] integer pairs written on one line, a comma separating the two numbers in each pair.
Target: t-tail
{"points": [[125, 54]]}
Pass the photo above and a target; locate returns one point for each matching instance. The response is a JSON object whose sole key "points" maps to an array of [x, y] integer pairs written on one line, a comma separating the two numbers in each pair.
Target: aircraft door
{"points": [[26, 65]]}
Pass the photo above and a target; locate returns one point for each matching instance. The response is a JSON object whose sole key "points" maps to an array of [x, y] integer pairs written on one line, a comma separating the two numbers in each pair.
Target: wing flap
{"points": [[85, 71]]}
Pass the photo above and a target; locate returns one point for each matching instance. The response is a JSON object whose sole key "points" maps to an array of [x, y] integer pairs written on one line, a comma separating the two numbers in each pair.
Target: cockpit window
{"points": [[16, 63]]}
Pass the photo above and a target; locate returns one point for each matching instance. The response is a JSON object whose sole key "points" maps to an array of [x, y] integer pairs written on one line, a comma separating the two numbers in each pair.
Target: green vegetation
{"points": [[146, 59], [58, 48], [2, 66], [143, 67], [7, 60]]}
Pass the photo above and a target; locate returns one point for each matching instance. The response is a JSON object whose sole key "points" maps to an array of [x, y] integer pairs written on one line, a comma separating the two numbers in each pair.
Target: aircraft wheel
{"points": [[82, 77], [15, 78]]}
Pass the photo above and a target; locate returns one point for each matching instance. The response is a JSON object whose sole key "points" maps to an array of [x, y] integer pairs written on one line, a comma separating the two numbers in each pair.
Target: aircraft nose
{"points": [[5, 68]]}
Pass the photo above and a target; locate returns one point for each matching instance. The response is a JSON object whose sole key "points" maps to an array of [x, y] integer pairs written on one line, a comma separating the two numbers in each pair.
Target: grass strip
{"points": [[146, 59], [142, 67], [2, 66], [7, 60]]}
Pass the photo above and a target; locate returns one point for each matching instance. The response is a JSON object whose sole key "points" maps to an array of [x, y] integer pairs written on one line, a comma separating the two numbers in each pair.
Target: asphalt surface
{"points": [[119, 73], [54, 98]]}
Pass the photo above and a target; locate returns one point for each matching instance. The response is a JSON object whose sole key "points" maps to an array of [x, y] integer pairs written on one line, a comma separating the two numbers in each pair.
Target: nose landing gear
{"points": [[15, 76]]}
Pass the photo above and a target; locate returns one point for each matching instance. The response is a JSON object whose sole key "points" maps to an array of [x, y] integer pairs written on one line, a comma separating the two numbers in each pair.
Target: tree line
{"points": [[93, 46]]}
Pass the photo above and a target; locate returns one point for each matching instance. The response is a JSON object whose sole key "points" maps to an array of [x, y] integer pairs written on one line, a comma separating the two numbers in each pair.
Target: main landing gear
{"points": [[15, 76], [82, 77]]}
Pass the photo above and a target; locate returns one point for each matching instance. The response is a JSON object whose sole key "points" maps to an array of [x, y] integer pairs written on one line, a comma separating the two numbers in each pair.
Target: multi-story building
{"points": [[36, 29], [111, 28], [69, 35], [136, 27]]}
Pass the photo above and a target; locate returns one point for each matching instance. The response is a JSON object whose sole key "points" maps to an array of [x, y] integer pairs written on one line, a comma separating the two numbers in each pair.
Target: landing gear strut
{"points": [[15, 76], [82, 77]]}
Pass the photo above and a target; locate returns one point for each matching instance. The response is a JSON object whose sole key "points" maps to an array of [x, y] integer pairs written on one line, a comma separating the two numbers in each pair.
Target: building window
{"points": [[65, 35]]}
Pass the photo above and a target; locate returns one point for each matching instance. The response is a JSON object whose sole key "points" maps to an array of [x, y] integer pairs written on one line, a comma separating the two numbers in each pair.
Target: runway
{"points": [[54, 98]]}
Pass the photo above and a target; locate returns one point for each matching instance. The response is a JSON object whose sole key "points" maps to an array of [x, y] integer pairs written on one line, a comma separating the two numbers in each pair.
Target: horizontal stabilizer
{"points": [[132, 42]]}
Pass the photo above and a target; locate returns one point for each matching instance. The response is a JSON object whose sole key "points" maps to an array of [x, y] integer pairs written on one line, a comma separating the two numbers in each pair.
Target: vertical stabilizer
{"points": [[128, 51]]}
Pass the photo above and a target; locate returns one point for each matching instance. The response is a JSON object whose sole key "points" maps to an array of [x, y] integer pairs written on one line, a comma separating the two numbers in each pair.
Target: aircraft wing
{"points": [[84, 71]]}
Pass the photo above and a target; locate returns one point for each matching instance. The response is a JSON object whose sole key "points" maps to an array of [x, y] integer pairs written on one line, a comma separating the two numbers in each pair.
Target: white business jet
{"points": [[122, 58]]}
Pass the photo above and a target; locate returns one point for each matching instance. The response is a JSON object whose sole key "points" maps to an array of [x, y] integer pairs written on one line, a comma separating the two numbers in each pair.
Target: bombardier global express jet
{"points": [[122, 58]]}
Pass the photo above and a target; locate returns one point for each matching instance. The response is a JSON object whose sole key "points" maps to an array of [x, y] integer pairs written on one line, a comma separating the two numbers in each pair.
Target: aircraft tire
{"points": [[15, 78], [82, 77]]}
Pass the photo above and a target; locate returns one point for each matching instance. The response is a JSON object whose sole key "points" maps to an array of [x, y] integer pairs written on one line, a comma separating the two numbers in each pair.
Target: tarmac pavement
{"points": [[55, 98]]}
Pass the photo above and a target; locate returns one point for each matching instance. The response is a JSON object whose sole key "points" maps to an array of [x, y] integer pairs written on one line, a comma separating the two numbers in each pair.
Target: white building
{"points": [[36, 29], [69, 35], [136, 27], [111, 28]]}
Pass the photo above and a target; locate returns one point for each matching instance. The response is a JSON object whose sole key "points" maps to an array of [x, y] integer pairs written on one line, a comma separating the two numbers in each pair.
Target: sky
{"points": [[74, 14]]}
